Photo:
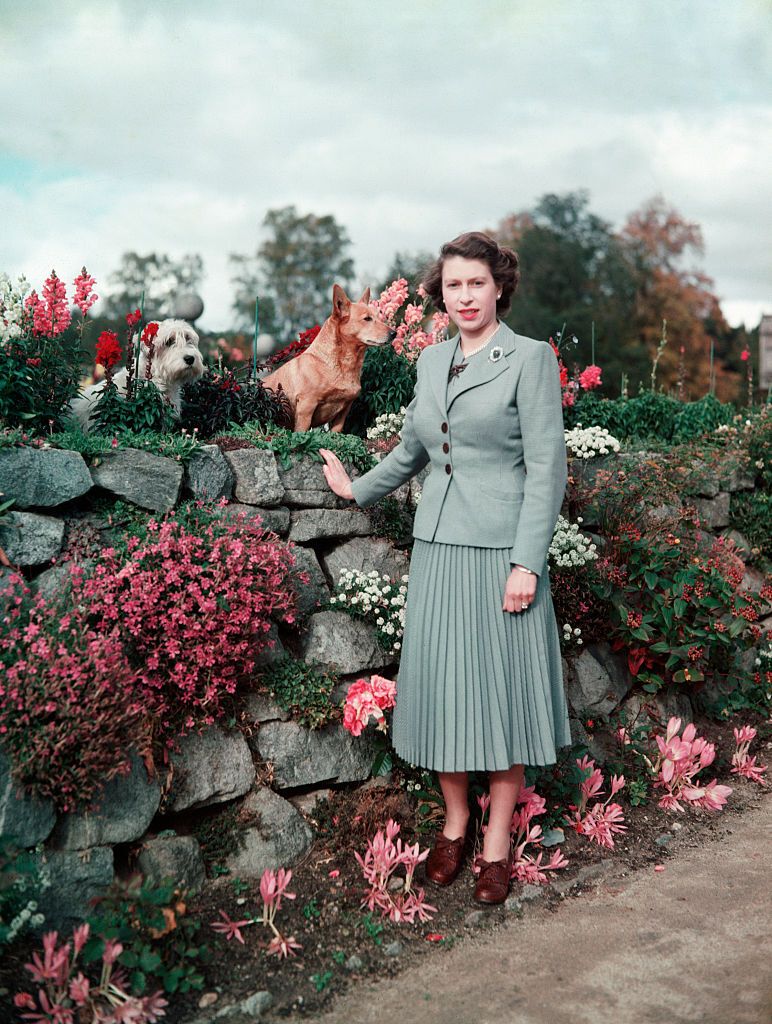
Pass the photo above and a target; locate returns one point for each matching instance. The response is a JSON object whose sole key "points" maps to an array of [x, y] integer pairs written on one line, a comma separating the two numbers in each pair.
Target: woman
{"points": [[480, 682]]}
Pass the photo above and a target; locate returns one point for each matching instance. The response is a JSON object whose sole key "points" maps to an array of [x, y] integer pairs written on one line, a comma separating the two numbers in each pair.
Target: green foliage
{"points": [[21, 884], [373, 928], [388, 383], [174, 446], [12, 437], [649, 416], [322, 980], [393, 519], [159, 939], [218, 400], [751, 513], [146, 410], [38, 377], [220, 835], [301, 689], [288, 444]]}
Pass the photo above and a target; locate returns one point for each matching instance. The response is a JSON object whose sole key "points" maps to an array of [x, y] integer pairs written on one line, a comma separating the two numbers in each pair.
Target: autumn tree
{"points": [[574, 272], [161, 278], [295, 268], [659, 241]]}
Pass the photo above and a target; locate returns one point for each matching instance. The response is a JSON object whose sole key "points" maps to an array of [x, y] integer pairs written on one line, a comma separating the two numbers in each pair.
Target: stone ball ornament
{"points": [[188, 307]]}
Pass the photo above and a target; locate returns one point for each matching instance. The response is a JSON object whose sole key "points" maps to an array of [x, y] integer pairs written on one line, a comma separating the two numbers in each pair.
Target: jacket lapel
{"points": [[480, 371]]}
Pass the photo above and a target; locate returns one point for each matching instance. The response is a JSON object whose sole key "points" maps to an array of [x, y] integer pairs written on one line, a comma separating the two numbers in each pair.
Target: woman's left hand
{"points": [[519, 591]]}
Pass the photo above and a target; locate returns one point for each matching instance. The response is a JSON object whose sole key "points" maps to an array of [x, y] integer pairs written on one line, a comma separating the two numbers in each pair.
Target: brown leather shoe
{"points": [[493, 881], [445, 860]]}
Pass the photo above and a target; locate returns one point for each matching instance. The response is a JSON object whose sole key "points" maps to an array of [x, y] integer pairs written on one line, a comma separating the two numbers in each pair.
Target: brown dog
{"points": [[322, 382]]}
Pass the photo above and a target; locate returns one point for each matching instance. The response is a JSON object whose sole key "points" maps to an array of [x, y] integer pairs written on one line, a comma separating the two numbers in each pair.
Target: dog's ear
{"points": [[365, 297], [341, 304]]}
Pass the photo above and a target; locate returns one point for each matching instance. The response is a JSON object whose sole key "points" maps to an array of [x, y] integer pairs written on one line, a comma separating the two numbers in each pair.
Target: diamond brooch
{"points": [[496, 353]]}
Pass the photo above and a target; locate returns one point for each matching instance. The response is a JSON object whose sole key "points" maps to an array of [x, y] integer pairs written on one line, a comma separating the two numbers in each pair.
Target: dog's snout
{"points": [[189, 360]]}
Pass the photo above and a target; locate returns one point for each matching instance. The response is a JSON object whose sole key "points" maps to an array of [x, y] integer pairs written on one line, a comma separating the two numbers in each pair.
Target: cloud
{"points": [[174, 127]]}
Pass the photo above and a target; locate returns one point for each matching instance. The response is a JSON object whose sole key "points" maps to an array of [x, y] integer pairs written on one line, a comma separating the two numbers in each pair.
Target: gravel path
{"points": [[689, 945]]}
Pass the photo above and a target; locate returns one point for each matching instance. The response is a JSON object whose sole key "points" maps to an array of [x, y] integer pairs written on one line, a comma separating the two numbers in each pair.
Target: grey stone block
{"points": [[22, 819], [75, 877], [210, 767], [42, 477], [308, 524], [278, 840], [149, 481], [30, 539], [122, 814], [208, 475], [256, 477], [176, 857], [306, 757], [336, 639]]}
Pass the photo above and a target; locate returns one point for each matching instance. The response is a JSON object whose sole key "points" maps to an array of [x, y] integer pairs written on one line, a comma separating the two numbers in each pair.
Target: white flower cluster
{"points": [[386, 425], [572, 634], [26, 918], [377, 598], [587, 442], [569, 548], [12, 306]]}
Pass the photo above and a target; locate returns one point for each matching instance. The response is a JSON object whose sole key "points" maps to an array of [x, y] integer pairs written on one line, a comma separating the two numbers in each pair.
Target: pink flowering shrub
{"points": [[68, 709], [408, 322], [368, 699], [680, 759], [601, 821], [64, 997], [193, 611], [742, 764], [274, 886], [382, 857], [525, 867]]}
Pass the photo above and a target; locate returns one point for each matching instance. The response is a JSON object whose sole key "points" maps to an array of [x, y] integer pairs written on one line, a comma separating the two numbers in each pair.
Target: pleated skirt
{"points": [[478, 688]]}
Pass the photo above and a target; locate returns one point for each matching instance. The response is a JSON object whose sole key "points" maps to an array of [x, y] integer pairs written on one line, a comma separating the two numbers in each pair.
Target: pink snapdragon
{"points": [[680, 759], [742, 764], [388, 303], [366, 700], [410, 338], [603, 820], [382, 858], [85, 296]]}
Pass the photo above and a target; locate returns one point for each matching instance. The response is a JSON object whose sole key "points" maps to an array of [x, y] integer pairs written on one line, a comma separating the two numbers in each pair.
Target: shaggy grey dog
{"points": [[176, 361]]}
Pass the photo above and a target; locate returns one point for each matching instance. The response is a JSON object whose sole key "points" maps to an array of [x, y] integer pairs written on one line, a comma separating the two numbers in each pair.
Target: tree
{"points": [[574, 271], [411, 266], [295, 267], [657, 239], [161, 278]]}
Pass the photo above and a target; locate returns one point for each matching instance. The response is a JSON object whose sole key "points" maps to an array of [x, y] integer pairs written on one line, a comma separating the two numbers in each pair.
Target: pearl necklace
{"points": [[474, 350]]}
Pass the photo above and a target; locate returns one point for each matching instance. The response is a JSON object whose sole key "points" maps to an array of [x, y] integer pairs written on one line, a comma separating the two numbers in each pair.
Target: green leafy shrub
{"points": [[148, 409], [159, 938], [388, 381], [218, 400], [650, 416], [301, 689]]}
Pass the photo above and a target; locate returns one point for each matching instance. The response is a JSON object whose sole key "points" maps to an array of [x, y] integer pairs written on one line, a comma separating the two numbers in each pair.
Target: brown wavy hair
{"points": [[476, 245]]}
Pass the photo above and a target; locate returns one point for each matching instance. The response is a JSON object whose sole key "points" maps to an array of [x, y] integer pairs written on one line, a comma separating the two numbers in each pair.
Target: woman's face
{"points": [[469, 293]]}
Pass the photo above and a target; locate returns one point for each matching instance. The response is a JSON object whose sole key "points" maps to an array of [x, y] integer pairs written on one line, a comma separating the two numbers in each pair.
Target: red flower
{"points": [[744, 355], [133, 318], [108, 349], [149, 333]]}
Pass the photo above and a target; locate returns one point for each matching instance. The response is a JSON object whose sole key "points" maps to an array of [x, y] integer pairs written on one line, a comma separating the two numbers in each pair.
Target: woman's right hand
{"points": [[336, 476]]}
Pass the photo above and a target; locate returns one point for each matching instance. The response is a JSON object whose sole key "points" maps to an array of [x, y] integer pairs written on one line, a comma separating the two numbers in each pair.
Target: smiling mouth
{"points": [[469, 312]]}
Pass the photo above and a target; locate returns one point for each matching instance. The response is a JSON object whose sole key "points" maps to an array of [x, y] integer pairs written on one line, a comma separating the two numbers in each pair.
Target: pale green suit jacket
{"points": [[497, 449]]}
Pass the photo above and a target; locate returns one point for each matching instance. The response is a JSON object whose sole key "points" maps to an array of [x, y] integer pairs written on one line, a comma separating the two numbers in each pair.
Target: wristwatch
{"points": [[523, 569]]}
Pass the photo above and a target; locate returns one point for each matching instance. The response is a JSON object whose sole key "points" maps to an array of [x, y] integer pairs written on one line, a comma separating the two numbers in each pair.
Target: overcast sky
{"points": [[173, 126]]}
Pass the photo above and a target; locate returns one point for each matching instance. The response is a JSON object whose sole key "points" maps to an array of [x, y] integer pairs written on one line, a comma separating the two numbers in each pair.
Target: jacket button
{"points": [[444, 428], [448, 468], [445, 447]]}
